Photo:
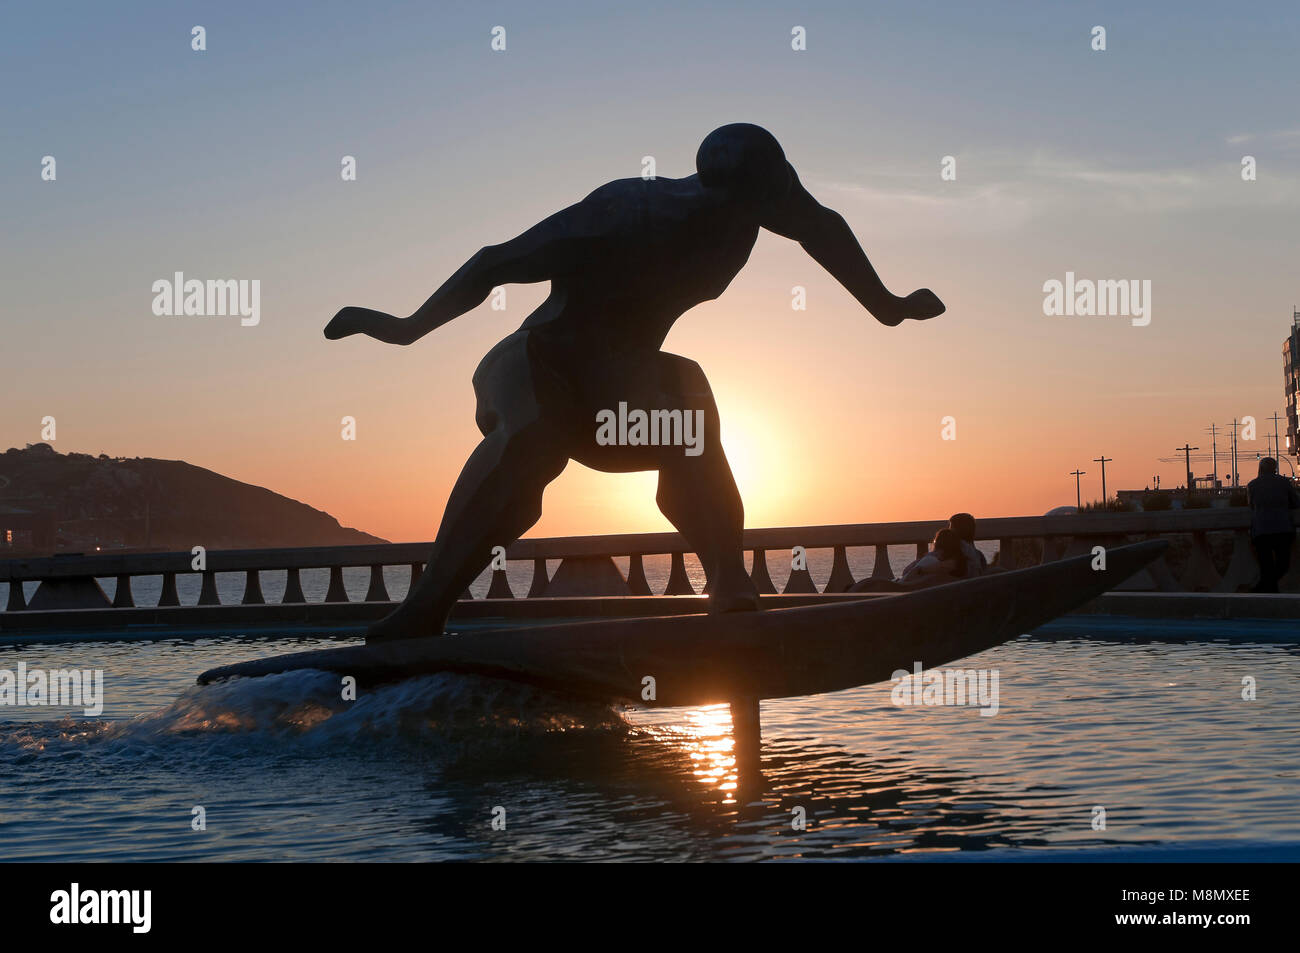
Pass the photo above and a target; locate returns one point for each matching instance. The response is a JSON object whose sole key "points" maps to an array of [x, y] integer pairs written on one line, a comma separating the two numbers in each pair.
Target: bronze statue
{"points": [[624, 264]]}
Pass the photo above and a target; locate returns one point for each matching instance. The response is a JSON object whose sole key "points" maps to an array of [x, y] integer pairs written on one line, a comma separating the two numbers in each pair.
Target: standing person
{"points": [[963, 524], [1272, 497]]}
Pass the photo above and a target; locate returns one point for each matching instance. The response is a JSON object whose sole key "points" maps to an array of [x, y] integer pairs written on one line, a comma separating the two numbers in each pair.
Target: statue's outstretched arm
{"points": [[548, 248], [825, 236]]}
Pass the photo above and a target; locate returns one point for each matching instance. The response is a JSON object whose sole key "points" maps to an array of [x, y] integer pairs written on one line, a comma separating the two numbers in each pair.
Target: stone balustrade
{"points": [[587, 568]]}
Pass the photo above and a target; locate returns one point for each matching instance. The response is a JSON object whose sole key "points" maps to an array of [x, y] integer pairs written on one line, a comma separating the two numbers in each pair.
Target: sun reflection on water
{"points": [[706, 737]]}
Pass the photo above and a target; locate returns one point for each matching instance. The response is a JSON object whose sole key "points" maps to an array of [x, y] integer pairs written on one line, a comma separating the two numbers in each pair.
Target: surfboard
{"points": [[706, 659]]}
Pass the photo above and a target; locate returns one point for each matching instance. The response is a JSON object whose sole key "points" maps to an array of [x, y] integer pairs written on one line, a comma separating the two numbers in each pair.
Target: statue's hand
{"points": [[921, 305], [347, 321], [376, 324]]}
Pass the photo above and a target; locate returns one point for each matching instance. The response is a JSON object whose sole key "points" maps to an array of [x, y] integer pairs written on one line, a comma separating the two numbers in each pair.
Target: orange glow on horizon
{"points": [[827, 417]]}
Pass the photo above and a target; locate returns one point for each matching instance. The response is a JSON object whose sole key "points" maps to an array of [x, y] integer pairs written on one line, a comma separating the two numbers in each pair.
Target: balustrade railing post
{"points": [[1082, 546], [293, 588], [168, 597], [253, 589], [500, 586], [208, 591], [378, 592], [537, 587], [679, 584], [1006, 554], [1163, 576], [761, 578], [122, 595], [800, 580], [587, 576], [17, 598], [336, 592], [636, 581], [1243, 570], [1200, 575], [841, 576], [881, 569]]}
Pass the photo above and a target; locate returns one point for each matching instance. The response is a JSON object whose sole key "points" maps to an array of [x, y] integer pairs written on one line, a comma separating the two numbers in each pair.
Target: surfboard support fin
{"points": [[746, 734]]}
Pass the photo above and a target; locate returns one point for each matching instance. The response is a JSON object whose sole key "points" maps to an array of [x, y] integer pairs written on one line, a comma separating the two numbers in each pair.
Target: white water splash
{"points": [[307, 708]]}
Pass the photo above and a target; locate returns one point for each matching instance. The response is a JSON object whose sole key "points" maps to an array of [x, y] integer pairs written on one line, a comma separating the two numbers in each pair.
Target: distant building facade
{"points": [[26, 529], [1291, 376]]}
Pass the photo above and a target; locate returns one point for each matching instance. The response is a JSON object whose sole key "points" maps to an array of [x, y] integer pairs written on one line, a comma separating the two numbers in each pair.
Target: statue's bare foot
{"points": [[734, 595], [733, 602], [403, 624]]}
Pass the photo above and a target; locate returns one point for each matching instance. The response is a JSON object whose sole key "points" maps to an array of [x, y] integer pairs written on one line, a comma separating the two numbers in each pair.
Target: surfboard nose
{"points": [[1068, 584]]}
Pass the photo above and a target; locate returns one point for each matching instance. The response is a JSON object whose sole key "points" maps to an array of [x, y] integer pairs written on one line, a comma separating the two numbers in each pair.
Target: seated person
{"points": [[945, 562], [963, 524]]}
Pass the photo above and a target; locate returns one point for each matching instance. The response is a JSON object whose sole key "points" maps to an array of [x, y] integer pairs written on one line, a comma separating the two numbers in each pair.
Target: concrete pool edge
{"points": [[1196, 605], [1212, 852]]}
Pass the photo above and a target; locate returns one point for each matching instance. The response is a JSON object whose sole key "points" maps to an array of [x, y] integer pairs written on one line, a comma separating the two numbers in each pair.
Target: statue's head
{"points": [[744, 160], [1267, 466]]}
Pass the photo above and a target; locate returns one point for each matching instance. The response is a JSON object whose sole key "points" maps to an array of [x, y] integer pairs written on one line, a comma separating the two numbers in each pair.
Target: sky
{"points": [[225, 163]]}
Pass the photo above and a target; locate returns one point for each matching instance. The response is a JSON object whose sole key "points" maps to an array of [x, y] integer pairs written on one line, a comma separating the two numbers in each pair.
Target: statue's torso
{"points": [[652, 250]]}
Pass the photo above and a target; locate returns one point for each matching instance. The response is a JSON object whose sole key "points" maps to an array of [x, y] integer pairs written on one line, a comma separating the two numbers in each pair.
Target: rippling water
{"points": [[1155, 732]]}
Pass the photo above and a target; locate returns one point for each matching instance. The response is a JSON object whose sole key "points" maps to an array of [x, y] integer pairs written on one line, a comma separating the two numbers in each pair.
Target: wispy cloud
{"points": [[1286, 136], [1057, 169], [1007, 191]]}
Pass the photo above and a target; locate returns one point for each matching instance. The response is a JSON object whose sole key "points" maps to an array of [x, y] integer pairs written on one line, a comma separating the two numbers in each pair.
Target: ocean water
{"points": [[1137, 719]]}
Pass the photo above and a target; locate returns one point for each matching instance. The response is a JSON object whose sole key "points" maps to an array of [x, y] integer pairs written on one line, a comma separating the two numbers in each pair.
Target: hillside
{"points": [[76, 502]]}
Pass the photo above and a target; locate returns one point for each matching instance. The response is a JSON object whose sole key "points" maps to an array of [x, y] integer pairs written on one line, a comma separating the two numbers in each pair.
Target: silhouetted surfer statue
{"points": [[624, 264]]}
